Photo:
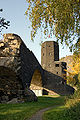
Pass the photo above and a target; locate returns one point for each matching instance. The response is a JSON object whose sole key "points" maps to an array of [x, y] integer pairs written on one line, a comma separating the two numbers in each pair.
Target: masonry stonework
{"points": [[49, 53], [50, 58], [20, 70], [17, 66]]}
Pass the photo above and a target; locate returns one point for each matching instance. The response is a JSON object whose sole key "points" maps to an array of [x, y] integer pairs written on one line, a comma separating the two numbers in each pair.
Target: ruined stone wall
{"points": [[54, 84], [10, 45], [15, 55], [17, 65], [10, 61], [59, 68], [68, 60], [29, 64], [53, 70], [10, 51]]}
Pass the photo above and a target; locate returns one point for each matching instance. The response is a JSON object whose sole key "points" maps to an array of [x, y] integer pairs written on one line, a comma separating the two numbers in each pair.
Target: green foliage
{"points": [[60, 17], [76, 95], [73, 77], [3, 22], [77, 80], [23, 111]]}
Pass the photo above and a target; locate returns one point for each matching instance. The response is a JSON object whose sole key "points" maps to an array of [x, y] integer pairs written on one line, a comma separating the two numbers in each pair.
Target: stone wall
{"points": [[10, 62], [16, 66], [19, 70], [54, 70], [29, 64], [59, 68], [68, 60], [54, 84]]}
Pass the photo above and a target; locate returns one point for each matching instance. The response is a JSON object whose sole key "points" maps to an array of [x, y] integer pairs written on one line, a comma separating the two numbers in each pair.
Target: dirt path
{"points": [[38, 115]]}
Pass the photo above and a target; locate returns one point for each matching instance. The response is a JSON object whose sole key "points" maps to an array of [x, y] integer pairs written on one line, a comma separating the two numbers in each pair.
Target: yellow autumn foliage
{"points": [[74, 70]]}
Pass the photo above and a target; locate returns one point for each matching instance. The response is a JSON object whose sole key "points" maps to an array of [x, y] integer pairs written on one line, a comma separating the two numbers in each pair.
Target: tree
{"points": [[73, 77], [3, 22], [58, 17]]}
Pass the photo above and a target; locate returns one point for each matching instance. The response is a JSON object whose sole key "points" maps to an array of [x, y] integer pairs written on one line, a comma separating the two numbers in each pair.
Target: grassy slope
{"points": [[70, 111], [22, 111]]}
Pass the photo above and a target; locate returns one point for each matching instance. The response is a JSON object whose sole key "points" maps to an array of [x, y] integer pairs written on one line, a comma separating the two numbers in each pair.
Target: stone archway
{"points": [[36, 83]]}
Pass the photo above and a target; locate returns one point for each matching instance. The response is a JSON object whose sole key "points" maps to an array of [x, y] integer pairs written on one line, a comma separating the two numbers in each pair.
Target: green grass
{"points": [[69, 111], [63, 113], [23, 111]]}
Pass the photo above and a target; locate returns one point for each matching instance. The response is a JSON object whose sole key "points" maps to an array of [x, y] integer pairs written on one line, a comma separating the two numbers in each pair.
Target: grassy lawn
{"points": [[23, 111], [69, 111]]}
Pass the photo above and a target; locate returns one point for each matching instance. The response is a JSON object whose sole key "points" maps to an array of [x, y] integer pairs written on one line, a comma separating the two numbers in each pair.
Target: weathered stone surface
{"points": [[19, 69], [5, 98], [10, 47], [14, 73], [14, 100], [50, 58], [54, 84], [54, 70], [30, 95]]}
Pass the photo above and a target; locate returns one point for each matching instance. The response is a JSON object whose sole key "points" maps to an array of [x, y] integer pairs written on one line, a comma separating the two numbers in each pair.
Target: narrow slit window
{"points": [[57, 72], [56, 65]]}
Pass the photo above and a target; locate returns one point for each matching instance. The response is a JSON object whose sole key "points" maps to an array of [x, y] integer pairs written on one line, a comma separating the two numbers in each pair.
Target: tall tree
{"points": [[3, 22], [58, 17]]}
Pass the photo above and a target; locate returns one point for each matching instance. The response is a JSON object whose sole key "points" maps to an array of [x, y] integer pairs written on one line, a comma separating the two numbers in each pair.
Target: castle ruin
{"points": [[50, 58], [19, 69]]}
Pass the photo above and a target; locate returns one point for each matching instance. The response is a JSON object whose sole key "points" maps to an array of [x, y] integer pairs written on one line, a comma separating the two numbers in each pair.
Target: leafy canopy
{"points": [[58, 17], [3, 22]]}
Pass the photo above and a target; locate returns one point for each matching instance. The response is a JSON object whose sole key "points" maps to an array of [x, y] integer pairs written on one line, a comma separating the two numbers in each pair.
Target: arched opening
{"points": [[36, 83]]}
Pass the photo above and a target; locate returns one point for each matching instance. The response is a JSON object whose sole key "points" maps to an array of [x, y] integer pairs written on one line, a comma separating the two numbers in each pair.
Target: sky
{"points": [[14, 11]]}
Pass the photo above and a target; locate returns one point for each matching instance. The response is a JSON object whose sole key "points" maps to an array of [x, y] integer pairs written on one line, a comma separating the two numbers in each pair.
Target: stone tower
{"points": [[50, 58], [49, 54]]}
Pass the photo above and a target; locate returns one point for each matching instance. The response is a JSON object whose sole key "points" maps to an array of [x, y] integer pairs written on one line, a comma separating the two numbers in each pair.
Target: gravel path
{"points": [[38, 115]]}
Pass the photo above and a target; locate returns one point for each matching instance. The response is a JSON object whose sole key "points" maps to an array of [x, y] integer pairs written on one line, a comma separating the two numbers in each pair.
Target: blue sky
{"points": [[14, 11]]}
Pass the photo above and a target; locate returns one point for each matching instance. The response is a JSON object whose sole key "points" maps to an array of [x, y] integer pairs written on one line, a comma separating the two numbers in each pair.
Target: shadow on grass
{"points": [[21, 111]]}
